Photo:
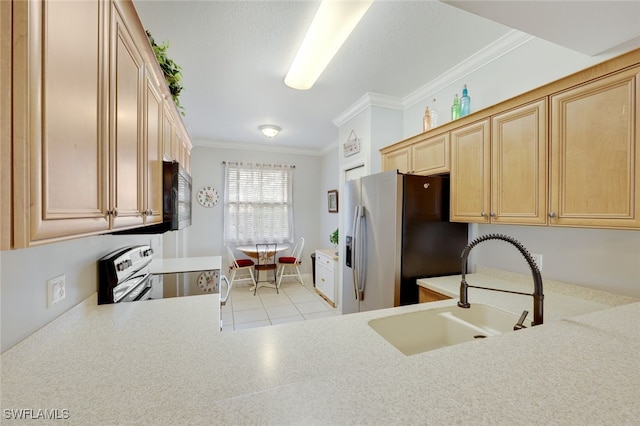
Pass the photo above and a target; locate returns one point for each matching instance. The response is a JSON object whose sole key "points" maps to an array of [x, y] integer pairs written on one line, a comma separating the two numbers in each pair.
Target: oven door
{"points": [[133, 289]]}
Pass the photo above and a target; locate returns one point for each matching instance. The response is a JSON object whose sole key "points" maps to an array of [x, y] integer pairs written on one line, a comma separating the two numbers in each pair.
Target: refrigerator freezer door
{"points": [[382, 202], [351, 201]]}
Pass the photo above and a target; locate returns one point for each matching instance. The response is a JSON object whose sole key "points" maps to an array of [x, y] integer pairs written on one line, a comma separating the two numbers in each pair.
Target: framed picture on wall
{"points": [[333, 200]]}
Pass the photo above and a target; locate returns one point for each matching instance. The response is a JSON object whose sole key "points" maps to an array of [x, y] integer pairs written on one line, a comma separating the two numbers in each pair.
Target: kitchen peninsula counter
{"points": [[164, 362]]}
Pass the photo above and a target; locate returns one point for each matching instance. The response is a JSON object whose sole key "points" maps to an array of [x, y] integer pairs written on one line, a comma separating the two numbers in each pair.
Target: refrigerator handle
{"points": [[354, 250], [360, 255]]}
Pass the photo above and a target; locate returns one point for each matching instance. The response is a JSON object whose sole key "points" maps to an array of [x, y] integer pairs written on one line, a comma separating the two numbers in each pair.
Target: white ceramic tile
{"points": [[243, 305], [227, 328], [242, 293], [227, 317], [250, 315], [281, 311], [281, 300], [310, 307], [307, 296], [295, 289], [264, 294], [254, 324]]}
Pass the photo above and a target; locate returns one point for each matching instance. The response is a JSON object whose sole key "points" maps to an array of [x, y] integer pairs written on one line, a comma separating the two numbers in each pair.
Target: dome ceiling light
{"points": [[269, 130]]}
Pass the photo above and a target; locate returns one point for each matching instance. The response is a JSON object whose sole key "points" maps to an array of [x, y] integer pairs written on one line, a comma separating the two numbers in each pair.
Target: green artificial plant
{"points": [[172, 71], [333, 238]]}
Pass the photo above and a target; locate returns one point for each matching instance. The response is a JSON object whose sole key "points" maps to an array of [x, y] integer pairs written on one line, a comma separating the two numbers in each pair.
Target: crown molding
{"points": [[505, 44], [368, 100], [319, 152]]}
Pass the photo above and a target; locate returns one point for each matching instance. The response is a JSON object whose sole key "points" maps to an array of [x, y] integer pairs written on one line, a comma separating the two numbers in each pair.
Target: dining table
{"points": [[252, 251]]}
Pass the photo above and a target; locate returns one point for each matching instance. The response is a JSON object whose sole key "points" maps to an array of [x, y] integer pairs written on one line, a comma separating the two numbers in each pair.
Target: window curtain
{"points": [[258, 204]]}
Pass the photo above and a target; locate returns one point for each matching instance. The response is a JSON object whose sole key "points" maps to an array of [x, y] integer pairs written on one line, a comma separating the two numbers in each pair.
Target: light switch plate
{"points": [[56, 290]]}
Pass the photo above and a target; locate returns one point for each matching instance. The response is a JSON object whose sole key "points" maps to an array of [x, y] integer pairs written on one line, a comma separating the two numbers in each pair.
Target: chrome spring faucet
{"points": [[538, 295]]}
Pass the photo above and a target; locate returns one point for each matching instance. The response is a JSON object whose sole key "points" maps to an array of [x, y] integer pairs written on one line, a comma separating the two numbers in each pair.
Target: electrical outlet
{"points": [[56, 290], [537, 257]]}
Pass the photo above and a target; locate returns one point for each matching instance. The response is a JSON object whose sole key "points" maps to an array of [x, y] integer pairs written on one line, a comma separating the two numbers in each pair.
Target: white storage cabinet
{"points": [[327, 275]]}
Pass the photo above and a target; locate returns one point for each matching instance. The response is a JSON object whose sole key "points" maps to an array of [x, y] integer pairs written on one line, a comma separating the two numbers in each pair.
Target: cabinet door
{"points": [[59, 140], [595, 154], [167, 132], [6, 202], [153, 151], [127, 73], [400, 160], [470, 173], [431, 156], [519, 165]]}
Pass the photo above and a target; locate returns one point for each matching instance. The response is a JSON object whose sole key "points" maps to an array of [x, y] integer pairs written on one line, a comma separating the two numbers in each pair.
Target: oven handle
{"points": [[146, 293], [223, 300]]}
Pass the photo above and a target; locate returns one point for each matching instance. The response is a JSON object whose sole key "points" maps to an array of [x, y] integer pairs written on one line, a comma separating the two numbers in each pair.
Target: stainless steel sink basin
{"points": [[429, 329]]}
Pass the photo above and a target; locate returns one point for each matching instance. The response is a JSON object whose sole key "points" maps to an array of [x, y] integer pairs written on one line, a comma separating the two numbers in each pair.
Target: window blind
{"points": [[258, 205]]}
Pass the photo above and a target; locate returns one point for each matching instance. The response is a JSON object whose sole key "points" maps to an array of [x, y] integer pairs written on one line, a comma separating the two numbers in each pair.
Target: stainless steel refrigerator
{"points": [[397, 230]]}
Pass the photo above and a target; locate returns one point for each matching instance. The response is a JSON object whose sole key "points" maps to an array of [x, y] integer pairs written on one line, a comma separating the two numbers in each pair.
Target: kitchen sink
{"points": [[429, 329]]}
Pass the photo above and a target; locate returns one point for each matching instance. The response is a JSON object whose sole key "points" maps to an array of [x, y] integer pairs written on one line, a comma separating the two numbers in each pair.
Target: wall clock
{"points": [[208, 281], [208, 196]]}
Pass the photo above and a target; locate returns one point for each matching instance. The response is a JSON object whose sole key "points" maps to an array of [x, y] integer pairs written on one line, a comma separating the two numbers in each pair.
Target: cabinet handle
{"points": [[483, 214], [114, 212], [552, 215], [492, 214]]}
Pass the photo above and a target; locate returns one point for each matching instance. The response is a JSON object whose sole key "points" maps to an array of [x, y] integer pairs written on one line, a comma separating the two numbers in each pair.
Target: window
{"points": [[258, 203]]}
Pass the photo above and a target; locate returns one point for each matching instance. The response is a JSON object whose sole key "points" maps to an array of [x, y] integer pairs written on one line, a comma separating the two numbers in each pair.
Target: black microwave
{"points": [[176, 202], [176, 196]]}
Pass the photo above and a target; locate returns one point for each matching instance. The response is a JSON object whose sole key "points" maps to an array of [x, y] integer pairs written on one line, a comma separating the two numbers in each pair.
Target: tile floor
{"points": [[294, 303]]}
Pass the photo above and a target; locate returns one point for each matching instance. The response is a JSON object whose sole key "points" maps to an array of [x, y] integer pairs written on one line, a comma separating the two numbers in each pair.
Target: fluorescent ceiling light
{"points": [[334, 21], [269, 130]]}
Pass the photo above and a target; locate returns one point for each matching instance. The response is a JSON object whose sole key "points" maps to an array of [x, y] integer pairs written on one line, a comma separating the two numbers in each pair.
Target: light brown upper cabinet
{"points": [[86, 114], [423, 156], [61, 157], [153, 150], [470, 173], [595, 152], [399, 159], [501, 178], [431, 156], [168, 126], [126, 130], [6, 203], [519, 165]]}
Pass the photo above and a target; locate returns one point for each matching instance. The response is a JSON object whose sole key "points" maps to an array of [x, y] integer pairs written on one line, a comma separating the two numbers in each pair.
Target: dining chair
{"points": [[237, 264], [292, 261], [266, 261]]}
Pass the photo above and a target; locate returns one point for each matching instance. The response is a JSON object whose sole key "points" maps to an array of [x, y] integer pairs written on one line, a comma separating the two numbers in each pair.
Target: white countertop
{"points": [[185, 264], [337, 370], [329, 253]]}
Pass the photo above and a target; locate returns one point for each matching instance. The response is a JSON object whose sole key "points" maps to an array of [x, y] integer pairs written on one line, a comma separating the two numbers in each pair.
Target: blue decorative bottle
{"points": [[465, 103]]}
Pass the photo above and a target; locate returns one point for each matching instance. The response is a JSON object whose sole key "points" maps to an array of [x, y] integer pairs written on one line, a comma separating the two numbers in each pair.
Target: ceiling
{"points": [[235, 54]]}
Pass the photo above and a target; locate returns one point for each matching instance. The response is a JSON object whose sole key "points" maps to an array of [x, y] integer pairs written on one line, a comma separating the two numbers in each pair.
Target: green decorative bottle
{"points": [[455, 108]]}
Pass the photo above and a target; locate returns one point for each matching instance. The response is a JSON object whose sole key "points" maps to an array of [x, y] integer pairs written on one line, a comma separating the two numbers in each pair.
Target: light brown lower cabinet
{"points": [[427, 295]]}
